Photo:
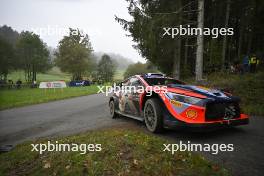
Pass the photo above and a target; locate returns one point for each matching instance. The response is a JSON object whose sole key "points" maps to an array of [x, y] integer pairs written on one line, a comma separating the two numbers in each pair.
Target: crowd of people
{"points": [[10, 84], [249, 64]]}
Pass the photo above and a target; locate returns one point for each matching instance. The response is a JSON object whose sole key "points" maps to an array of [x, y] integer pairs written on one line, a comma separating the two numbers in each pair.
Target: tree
{"points": [[106, 69], [74, 54], [6, 58], [200, 42], [139, 68], [8, 34], [33, 55], [225, 37], [177, 47], [150, 17], [8, 39], [147, 28]]}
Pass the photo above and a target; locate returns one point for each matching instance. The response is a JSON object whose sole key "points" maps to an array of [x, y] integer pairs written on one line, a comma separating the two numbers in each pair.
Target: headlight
{"points": [[186, 99]]}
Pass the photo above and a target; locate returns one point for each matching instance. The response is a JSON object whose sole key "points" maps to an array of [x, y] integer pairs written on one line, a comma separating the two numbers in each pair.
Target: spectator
{"points": [[232, 69], [246, 64], [34, 84], [18, 84], [10, 84], [253, 63], [238, 67]]}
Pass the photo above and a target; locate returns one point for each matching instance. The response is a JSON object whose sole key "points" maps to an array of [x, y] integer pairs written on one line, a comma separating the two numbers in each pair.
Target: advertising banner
{"points": [[52, 84]]}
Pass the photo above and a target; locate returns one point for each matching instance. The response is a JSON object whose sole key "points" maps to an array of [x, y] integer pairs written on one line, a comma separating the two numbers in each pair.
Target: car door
{"points": [[123, 98], [134, 96]]}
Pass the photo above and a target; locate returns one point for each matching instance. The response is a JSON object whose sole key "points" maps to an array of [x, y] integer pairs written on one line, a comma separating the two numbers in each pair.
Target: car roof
{"points": [[156, 75]]}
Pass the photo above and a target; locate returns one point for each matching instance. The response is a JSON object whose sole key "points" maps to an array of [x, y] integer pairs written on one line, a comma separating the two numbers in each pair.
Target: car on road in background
{"points": [[165, 102], [79, 83]]}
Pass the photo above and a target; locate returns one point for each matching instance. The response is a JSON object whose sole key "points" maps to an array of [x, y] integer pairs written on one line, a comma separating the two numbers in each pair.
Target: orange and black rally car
{"points": [[163, 102]]}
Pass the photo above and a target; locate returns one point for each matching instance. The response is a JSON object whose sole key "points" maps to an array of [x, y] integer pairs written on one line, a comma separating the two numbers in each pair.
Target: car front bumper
{"points": [[171, 122], [229, 123]]}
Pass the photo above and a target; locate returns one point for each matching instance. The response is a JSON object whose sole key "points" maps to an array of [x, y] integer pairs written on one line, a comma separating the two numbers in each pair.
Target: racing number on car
{"points": [[230, 112]]}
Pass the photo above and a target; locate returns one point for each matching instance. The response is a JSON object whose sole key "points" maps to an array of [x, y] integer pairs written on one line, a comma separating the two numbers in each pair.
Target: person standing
{"points": [[246, 64], [253, 63], [18, 84]]}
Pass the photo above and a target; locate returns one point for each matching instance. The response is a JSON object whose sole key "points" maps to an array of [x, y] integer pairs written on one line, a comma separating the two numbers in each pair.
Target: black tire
{"points": [[154, 119], [113, 113]]}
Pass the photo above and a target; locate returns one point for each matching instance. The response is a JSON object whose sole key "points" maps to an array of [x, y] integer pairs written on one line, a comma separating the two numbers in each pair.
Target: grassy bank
{"points": [[27, 96], [124, 152], [249, 87]]}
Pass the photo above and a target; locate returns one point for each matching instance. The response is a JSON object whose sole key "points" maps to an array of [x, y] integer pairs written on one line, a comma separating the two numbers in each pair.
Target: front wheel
{"points": [[153, 115], [113, 114]]}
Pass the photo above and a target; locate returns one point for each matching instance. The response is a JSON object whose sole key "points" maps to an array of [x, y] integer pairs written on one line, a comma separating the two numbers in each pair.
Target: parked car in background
{"points": [[79, 83]]}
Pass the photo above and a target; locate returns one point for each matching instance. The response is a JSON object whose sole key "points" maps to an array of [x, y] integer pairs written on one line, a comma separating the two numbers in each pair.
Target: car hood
{"points": [[208, 92]]}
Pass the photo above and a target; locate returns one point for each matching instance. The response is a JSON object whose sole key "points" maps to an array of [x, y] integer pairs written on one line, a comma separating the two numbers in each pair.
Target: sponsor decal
{"points": [[191, 114], [176, 103]]}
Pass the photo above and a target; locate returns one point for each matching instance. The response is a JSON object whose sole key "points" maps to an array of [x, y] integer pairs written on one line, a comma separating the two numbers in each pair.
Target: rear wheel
{"points": [[153, 115], [113, 114]]}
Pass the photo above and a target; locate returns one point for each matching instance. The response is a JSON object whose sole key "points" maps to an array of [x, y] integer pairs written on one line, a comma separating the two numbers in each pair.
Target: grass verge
{"points": [[249, 87], [27, 96], [124, 152]]}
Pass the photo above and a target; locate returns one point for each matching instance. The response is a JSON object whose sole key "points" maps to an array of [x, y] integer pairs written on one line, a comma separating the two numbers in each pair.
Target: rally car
{"points": [[165, 102]]}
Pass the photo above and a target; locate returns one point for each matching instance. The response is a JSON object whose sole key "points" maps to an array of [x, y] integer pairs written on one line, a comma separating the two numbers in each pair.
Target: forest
{"points": [[186, 55]]}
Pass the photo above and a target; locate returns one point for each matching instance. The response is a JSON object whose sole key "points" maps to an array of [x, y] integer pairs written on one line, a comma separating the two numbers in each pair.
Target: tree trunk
{"points": [[225, 37], [33, 74], [200, 45], [186, 53], [177, 59], [240, 41], [249, 43], [186, 49], [177, 49]]}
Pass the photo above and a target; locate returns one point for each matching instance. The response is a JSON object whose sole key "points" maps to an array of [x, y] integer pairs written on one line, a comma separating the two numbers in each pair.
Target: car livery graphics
{"points": [[180, 105]]}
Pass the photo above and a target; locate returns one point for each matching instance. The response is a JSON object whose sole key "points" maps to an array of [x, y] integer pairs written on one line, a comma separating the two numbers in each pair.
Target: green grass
{"points": [[27, 96], [124, 153], [249, 87], [52, 75]]}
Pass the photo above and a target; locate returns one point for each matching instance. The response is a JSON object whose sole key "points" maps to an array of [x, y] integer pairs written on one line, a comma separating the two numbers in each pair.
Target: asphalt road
{"points": [[86, 113]]}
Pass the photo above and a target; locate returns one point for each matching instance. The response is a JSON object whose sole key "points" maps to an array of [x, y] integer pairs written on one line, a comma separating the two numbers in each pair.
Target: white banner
{"points": [[53, 84]]}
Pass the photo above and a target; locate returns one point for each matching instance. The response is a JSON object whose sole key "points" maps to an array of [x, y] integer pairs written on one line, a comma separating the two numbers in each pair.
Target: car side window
{"points": [[135, 82], [126, 83]]}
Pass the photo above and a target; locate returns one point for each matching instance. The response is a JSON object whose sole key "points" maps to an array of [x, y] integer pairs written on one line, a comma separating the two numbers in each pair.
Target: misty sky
{"points": [[50, 18]]}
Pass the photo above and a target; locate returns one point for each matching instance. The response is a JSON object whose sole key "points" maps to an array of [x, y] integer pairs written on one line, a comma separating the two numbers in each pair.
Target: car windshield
{"points": [[162, 81]]}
